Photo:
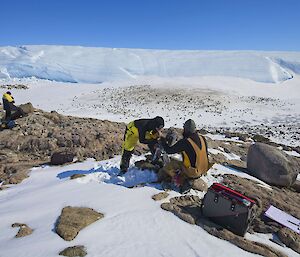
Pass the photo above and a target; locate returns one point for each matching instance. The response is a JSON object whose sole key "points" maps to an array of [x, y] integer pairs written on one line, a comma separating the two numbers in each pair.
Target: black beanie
{"points": [[159, 122], [189, 126]]}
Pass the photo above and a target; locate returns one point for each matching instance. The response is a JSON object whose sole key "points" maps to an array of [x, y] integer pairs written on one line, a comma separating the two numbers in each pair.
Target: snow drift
{"points": [[94, 65]]}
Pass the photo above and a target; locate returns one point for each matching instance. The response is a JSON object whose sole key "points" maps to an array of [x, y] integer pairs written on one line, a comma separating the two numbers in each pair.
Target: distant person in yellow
{"points": [[193, 148], [8, 106], [145, 131]]}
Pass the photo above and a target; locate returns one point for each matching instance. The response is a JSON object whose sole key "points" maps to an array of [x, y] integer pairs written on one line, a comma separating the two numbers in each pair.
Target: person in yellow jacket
{"points": [[8, 106], [145, 131], [193, 148], [8, 103]]}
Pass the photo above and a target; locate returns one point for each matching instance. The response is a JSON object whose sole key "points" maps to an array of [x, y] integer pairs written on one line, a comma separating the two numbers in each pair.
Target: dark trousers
{"points": [[125, 161], [7, 114]]}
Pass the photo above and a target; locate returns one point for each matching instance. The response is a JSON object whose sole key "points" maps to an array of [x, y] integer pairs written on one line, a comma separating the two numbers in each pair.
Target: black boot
{"points": [[124, 165]]}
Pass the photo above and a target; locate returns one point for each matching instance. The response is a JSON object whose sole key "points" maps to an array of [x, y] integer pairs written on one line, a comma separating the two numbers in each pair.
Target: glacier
{"points": [[79, 64]]}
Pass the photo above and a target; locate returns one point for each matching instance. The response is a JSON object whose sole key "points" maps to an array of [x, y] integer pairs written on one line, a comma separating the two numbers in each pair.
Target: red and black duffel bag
{"points": [[228, 208]]}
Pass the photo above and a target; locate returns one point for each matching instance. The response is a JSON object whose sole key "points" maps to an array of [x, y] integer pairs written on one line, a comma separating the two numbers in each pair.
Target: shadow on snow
{"points": [[132, 178]]}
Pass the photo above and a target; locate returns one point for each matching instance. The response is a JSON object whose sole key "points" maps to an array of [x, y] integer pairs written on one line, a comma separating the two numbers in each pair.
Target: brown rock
{"points": [[272, 165], [283, 198], [247, 245], [296, 186], [59, 158], [199, 184], [167, 206], [261, 139], [185, 207], [77, 176], [74, 219], [188, 209], [160, 196], [23, 231], [290, 239], [74, 251], [40, 134], [27, 108]]}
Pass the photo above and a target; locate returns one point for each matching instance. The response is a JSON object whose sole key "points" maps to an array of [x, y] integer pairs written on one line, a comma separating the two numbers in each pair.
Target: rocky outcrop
{"points": [[290, 239], [188, 208], [74, 251], [14, 86], [23, 231], [272, 165], [27, 108], [40, 134], [74, 219], [283, 198]]}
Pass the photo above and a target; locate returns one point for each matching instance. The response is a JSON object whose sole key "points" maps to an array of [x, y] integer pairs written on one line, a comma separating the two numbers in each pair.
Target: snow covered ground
{"points": [[254, 91], [133, 225]]}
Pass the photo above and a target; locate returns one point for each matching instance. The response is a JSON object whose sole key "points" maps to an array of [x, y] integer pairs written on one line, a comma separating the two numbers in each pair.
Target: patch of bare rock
{"points": [[188, 208], [43, 137], [160, 196], [75, 176], [24, 230], [14, 86], [74, 219], [49, 137], [74, 251]]}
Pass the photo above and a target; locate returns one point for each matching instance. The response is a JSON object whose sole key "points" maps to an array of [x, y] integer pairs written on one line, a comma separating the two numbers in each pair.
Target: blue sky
{"points": [[160, 24]]}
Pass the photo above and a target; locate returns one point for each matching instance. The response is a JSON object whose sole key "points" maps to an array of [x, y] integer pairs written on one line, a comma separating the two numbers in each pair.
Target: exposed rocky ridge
{"points": [[188, 208], [283, 198], [13, 86], [40, 134]]}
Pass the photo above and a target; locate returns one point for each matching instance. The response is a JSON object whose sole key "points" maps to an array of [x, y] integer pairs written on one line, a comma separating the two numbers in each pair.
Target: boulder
{"points": [[271, 165], [59, 158], [27, 108], [74, 251], [74, 219]]}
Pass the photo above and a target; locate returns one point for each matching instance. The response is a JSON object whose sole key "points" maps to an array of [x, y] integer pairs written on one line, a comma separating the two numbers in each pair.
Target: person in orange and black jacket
{"points": [[193, 148]]}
